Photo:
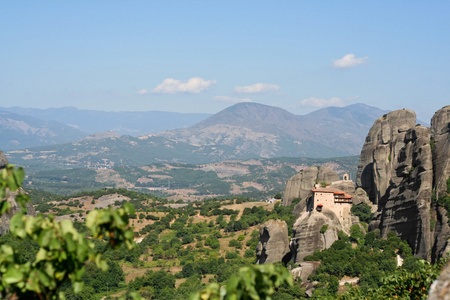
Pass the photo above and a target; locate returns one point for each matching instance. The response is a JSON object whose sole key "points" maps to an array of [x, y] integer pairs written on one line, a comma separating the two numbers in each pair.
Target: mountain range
{"points": [[21, 131], [242, 131], [332, 131], [133, 123]]}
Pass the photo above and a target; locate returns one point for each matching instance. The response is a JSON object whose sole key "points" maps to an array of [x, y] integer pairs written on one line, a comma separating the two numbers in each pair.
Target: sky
{"points": [[204, 56]]}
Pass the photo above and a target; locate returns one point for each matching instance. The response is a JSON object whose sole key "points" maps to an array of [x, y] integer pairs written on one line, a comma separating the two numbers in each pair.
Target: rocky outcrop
{"points": [[440, 141], [405, 205], [441, 245], [396, 171], [306, 268], [401, 163], [274, 242], [440, 132], [380, 151], [309, 234], [326, 174], [440, 289], [3, 160], [300, 185]]}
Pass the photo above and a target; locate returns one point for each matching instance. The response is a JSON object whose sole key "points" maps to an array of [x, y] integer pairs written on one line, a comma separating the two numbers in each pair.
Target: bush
{"points": [[249, 253], [212, 242], [235, 243], [362, 211], [231, 255]]}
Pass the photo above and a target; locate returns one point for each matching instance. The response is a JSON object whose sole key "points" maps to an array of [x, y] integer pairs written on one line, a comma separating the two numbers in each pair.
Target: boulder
{"points": [[306, 268], [274, 242]]}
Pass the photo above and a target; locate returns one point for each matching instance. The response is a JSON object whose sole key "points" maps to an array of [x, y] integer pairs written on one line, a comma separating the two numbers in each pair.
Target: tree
{"points": [[254, 282], [63, 251]]}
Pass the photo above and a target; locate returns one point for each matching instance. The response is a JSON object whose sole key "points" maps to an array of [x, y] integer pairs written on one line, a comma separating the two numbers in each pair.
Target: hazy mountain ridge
{"points": [[133, 123], [18, 131]]}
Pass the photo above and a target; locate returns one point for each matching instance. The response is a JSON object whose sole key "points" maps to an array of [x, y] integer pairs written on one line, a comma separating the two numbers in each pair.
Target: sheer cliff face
{"points": [[301, 184], [380, 151], [404, 207], [398, 172], [440, 130]]}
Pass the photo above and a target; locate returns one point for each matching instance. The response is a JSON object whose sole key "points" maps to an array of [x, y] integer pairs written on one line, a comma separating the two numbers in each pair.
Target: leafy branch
{"points": [[63, 251]]}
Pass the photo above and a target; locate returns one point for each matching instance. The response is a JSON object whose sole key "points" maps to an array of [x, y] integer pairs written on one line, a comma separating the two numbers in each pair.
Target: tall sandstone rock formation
{"points": [[399, 174], [300, 185], [440, 134], [273, 243]]}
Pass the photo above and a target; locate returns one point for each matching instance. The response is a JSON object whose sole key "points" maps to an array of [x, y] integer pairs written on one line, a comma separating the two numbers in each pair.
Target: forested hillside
{"points": [[183, 247]]}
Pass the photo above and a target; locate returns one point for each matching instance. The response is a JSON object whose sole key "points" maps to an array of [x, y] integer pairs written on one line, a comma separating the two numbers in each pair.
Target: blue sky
{"points": [[203, 56]]}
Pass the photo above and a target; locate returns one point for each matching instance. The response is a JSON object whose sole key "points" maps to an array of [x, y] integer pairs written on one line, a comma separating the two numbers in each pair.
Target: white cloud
{"points": [[316, 102], [142, 92], [231, 99], [194, 85], [257, 88], [348, 61]]}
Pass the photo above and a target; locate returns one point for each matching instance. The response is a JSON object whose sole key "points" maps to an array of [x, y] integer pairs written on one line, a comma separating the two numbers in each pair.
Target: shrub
{"points": [[362, 211]]}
